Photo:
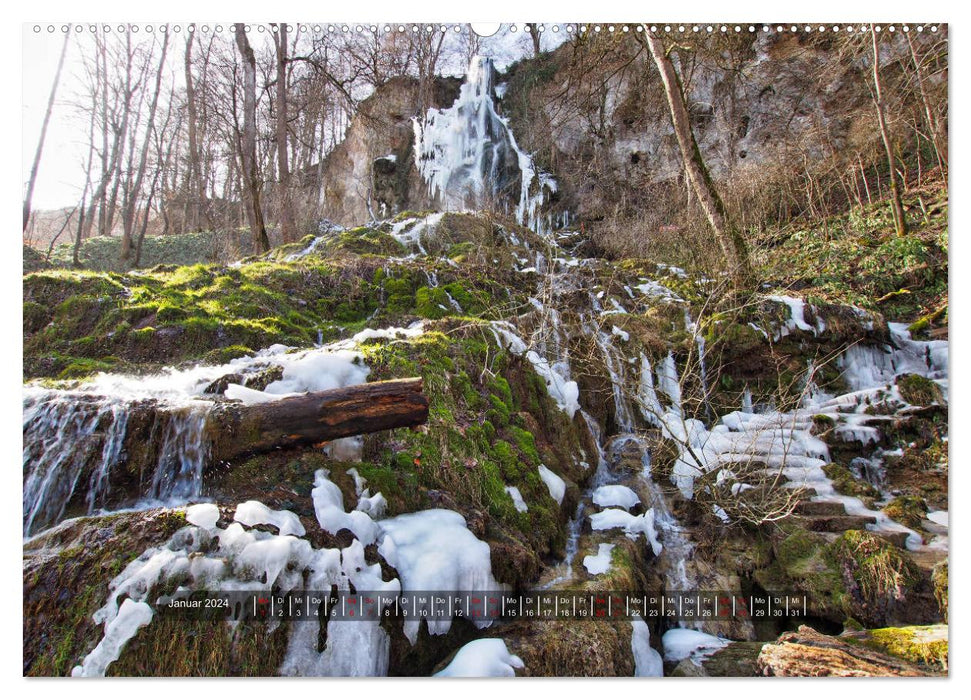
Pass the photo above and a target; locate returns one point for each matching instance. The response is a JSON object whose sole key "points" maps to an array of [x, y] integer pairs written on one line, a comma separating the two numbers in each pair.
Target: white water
{"points": [[81, 432], [782, 441], [469, 157]]}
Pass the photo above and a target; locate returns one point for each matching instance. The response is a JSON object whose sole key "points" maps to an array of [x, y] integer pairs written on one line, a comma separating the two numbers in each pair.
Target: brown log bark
{"points": [[237, 430]]}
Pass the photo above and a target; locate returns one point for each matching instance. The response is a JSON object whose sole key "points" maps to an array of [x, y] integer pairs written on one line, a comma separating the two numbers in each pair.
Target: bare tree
{"points": [[534, 35], [128, 218], [899, 219], [287, 226], [195, 186], [938, 137], [729, 238], [252, 182], [43, 130]]}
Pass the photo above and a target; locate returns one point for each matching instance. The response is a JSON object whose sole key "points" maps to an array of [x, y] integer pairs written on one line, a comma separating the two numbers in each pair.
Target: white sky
{"points": [[61, 175]]}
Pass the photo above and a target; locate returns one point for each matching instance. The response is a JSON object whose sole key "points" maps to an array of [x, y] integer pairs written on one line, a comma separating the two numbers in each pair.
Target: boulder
{"points": [[806, 652]]}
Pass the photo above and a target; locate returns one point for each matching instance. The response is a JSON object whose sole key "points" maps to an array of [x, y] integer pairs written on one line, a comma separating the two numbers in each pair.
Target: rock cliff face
{"points": [[762, 105], [372, 173], [766, 108]]}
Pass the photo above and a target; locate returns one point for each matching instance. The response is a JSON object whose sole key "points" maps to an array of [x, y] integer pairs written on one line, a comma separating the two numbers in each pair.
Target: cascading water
{"points": [[469, 157], [74, 441], [63, 435], [178, 476]]}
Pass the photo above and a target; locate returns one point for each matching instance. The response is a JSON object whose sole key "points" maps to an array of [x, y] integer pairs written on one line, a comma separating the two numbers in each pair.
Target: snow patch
{"points": [[555, 484], [599, 563], [482, 658]]}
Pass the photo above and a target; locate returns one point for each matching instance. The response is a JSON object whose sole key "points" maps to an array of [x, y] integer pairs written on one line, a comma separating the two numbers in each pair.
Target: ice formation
{"points": [[517, 499], [253, 513], [329, 508], [482, 658], [131, 617], [647, 662], [615, 495], [632, 525], [313, 371], [784, 440], [470, 159], [555, 484], [433, 550], [204, 515], [599, 563], [561, 388], [682, 643]]}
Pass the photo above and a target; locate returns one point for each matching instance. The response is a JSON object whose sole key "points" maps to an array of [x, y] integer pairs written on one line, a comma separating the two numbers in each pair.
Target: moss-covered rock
{"points": [[926, 646], [883, 584], [939, 579], [847, 484], [918, 390], [907, 510], [66, 574]]}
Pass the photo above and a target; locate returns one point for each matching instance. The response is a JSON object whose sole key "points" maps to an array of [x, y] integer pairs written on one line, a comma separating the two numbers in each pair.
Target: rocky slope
{"points": [[596, 426], [505, 358]]}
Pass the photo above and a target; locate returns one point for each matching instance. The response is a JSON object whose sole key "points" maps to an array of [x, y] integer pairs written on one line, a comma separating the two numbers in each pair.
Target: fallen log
{"points": [[236, 430]]}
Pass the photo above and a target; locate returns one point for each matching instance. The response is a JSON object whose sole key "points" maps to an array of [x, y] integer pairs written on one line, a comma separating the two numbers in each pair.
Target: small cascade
{"points": [[178, 475], [469, 157], [85, 447], [64, 437], [623, 415], [74, 442]]}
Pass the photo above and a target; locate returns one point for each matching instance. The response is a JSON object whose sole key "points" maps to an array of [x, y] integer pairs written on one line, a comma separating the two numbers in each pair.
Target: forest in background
{"points": [[192, 129]]}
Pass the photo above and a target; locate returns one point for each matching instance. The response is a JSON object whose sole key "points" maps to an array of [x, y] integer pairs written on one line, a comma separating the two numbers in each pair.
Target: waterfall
{"points": [[468, 155], [73, 443], [64, 434], [178, 474]]}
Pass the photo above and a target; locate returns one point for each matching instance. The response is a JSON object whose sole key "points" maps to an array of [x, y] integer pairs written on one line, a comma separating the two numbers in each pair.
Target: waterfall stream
{"points": [[79, 443]]}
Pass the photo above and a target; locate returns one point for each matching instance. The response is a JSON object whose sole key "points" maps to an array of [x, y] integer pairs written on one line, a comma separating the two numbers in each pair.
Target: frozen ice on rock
{"points": [[482, 658], [253, 513]]}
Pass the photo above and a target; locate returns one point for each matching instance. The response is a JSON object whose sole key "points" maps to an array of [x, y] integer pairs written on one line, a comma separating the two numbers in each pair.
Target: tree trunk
{"points": [[236, 430], [938, 139], [534, 35], [731, 241], [132, 204], [251, 176], [287, 226], [43, 131], [899, 220], [194, 177]]}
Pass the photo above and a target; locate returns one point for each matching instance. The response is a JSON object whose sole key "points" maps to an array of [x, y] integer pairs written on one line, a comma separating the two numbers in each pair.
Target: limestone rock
{"points": [[806, 652]]}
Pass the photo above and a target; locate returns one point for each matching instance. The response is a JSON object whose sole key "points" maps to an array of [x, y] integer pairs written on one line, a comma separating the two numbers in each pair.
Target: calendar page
{"points": [[471, 350]]}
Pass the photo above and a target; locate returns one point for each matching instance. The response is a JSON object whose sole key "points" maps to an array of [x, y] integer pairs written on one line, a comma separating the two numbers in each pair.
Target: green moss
{"points": [[365, 241], [907, 510], [822, 424], [879, 570], [939, 580], [847, 484], [800, 560], [526, 444], [918, 390], [432, 302], [927, 646], [507, 459]]}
